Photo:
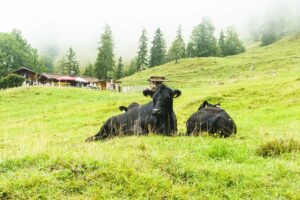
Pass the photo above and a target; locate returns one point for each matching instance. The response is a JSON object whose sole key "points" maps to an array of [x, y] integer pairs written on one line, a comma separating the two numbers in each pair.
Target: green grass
{"points": [[42, 131]]}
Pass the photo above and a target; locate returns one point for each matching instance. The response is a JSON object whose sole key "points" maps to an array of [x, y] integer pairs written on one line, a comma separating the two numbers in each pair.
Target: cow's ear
{"points": [[202, 105], [123, 108], [176, 93], [148, 92]]}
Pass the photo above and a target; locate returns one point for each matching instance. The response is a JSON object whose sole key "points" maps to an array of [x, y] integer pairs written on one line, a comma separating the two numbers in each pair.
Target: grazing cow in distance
{"points": [[130, 106], [212, 119], [157, 116]]}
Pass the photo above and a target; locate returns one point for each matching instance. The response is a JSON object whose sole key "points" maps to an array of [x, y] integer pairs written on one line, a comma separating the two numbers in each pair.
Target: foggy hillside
{"points": [[58, 25]]}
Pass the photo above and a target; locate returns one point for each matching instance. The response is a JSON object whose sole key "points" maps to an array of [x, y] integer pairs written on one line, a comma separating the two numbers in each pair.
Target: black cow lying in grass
{"points": [[130, 107], [212, 119], [156, 116]]}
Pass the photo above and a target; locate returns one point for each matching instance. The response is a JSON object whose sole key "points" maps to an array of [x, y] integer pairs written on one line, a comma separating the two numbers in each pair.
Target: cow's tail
{"points": [[99, 136]]}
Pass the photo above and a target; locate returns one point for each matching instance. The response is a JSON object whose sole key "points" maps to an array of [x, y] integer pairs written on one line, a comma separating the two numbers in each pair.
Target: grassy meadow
{"points": [[42, 131]]}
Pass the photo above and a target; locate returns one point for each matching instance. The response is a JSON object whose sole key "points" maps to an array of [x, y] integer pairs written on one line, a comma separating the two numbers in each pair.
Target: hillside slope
{"points": [[282, 56], [42, 131]]}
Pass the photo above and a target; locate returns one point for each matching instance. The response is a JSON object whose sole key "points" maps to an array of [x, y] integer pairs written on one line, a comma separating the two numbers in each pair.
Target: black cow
{"points": [[157, 116], [130, 107], [212, 119]]}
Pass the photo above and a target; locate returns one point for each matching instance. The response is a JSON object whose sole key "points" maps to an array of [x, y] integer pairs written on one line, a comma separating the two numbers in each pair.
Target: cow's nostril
{"points": [[156, 111]]}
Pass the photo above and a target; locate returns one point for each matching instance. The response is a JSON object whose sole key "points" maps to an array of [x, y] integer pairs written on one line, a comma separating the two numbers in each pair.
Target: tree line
{"points": [[16, 52], [203, 43]]}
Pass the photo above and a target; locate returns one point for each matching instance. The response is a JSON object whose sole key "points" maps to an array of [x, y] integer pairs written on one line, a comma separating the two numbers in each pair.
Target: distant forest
{"points": [[16, 52]]}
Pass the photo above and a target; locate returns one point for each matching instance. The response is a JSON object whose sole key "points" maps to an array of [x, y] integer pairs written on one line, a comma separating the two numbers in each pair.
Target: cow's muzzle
{"points": [[156, 111]]}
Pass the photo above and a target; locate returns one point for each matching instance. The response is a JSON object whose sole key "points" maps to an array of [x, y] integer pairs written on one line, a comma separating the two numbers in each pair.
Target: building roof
{"points": [[26, 69], [66, 78], [90, 79], [50, 76], [157, 79]]}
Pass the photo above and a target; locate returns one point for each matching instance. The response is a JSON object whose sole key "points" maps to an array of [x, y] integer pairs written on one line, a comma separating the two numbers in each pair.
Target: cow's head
{"points": [[162, 99], [131, 106], [206, 104]]}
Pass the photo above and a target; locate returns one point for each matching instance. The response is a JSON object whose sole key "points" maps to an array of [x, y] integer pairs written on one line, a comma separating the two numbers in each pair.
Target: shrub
{"points": [[11, 80], [278, 147]]}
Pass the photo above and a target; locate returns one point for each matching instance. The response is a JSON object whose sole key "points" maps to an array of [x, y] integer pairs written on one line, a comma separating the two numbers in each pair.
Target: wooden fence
{"points": [[127, 89]]}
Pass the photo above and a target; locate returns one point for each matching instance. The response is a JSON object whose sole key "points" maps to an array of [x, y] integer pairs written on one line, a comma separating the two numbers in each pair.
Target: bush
{"points": [[11, 80], [278, 147]]}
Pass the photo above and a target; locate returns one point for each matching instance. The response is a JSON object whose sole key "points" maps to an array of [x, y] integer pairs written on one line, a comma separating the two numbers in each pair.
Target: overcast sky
{"points": [[79, 23]]}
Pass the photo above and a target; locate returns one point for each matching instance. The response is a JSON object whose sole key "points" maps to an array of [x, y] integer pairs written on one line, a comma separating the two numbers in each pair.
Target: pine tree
{"points": [[71, 62], [119, 69], [89, 70], [203, 39], [177, 49], [233, 45], [268, 34], [221, 43], [190, 50], [105, 59], [62, 68], [143, 51], [158, 49], [131, 68]]}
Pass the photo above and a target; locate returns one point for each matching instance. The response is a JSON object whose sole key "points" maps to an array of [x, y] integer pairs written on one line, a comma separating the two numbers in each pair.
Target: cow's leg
{"points": [[194, 128], [102, 134], [189, 128], [140, 128], [173, 123]]}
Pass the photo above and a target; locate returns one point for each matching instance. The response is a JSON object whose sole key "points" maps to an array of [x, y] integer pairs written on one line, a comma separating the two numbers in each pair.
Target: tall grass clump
{"points": [[278, 147]]}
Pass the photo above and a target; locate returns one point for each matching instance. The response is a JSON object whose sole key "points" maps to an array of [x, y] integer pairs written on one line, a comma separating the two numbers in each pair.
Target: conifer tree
{"points": [[203, 39], [158, 49], [105, 59], [71, 64], [119, 69], [89, 70], [268, 34], [61, 66], [132, 67], [143, 51], [221, 43], [177, 49], [233, 45]]}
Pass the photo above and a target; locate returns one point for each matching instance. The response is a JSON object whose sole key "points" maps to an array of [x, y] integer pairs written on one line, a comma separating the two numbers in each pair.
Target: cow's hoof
{"points": [[90, 139]]}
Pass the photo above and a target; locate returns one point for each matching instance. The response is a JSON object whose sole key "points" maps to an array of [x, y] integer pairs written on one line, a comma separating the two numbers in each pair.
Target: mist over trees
{"points": [[49, 56], [278, 21], [16, 52]]}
